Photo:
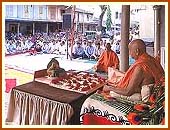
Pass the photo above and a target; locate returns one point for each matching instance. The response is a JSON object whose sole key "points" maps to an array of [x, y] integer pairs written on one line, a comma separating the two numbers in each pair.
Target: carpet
{"points": [[30, 64]]}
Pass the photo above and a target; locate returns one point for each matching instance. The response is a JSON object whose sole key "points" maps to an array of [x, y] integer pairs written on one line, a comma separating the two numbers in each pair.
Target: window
{"points": [[116, 15], [13, 27], [40, 9], [9, 10], [90, 17], [120, 15], [52, 14], [78, 17], [87, 17], [26, 11], [62, 12]]}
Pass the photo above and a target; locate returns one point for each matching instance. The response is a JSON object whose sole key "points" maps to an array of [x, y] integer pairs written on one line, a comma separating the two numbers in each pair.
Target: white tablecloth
{"points": [[28, 109]]}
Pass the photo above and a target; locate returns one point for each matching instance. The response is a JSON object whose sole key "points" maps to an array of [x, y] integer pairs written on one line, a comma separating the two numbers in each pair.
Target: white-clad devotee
{"points": [[46, 48], [89, 50], [62, 48], [78, 51], [98, 51]]}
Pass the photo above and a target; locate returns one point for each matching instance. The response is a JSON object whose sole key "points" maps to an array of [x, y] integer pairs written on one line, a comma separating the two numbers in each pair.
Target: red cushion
{"points": [[91, 119], [10, 83]]}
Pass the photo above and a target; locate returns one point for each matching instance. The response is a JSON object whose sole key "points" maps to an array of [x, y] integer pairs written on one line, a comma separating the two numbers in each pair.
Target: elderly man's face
{"points": [[132, 52]]}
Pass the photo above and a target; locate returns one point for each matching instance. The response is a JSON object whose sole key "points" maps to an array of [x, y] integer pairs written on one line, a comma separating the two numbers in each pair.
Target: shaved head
{"points": [[108, 46], [136, 48], [138, 44]]}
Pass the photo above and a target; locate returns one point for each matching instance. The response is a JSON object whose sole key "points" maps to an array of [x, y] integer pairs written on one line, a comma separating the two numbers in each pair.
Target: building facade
{"points": [[29, 19], [84, 20]]}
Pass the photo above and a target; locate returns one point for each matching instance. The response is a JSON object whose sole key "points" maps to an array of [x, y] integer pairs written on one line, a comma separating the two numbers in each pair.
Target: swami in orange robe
{"points": [[146, 70], [107, 59], [148, 64]]}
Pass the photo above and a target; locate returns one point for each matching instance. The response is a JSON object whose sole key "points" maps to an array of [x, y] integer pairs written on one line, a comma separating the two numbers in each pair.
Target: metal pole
{"points": [[72, 30], [47, 28], [18, 29], [67, 43], [83, 22], [33, 28]]}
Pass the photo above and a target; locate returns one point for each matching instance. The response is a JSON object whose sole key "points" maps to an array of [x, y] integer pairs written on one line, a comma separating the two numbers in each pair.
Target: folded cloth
{"points": [[143, 96], [146, 92], [134, 97]]}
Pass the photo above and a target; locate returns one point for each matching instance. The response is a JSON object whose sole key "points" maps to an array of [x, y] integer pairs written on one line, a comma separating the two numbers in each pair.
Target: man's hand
{"points": [[107, 88], [113, 94]]}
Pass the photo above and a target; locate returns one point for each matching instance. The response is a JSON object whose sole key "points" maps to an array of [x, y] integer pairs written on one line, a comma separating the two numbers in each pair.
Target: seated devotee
{"points": [[89, 50], [98, 51], [78, 51], [38, 48], [62, 48], [11, 47], [19, 48], [104, 43], [55, 47], [54, 70], [35, 50], [117, 48], [84, 44], [107, 59], [145, 71], [46, 48]]}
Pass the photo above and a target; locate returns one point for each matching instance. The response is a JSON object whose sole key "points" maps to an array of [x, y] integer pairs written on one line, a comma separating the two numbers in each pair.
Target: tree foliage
{"points": [[109, 19], [103, 10]]}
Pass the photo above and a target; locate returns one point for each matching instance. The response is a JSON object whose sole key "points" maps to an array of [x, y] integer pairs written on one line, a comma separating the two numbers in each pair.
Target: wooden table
{"points": [[38, 103], [27, 105]]}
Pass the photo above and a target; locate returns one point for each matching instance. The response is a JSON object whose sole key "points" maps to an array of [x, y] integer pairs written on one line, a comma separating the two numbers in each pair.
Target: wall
{"points": [[54, 13], [10, 11], [146, 23], [25, 12], [58, 14], [40, 12]]}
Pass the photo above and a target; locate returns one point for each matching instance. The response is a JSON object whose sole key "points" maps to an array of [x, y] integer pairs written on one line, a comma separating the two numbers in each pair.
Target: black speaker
{"points": [[66, 21]]}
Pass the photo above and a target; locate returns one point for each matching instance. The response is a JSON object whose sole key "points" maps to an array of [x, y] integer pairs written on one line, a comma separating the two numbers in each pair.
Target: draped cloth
{"points": [[107, 59], [98, 111], [28, 109], [148, 64]]}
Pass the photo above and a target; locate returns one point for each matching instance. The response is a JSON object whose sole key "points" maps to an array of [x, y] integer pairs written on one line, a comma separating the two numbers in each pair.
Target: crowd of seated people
{"points": [[42, 42], [54, 43]]}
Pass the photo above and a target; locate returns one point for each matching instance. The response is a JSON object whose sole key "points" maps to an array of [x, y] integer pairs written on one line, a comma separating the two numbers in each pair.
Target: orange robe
{"points": [[148, 64], [107, 59]]}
